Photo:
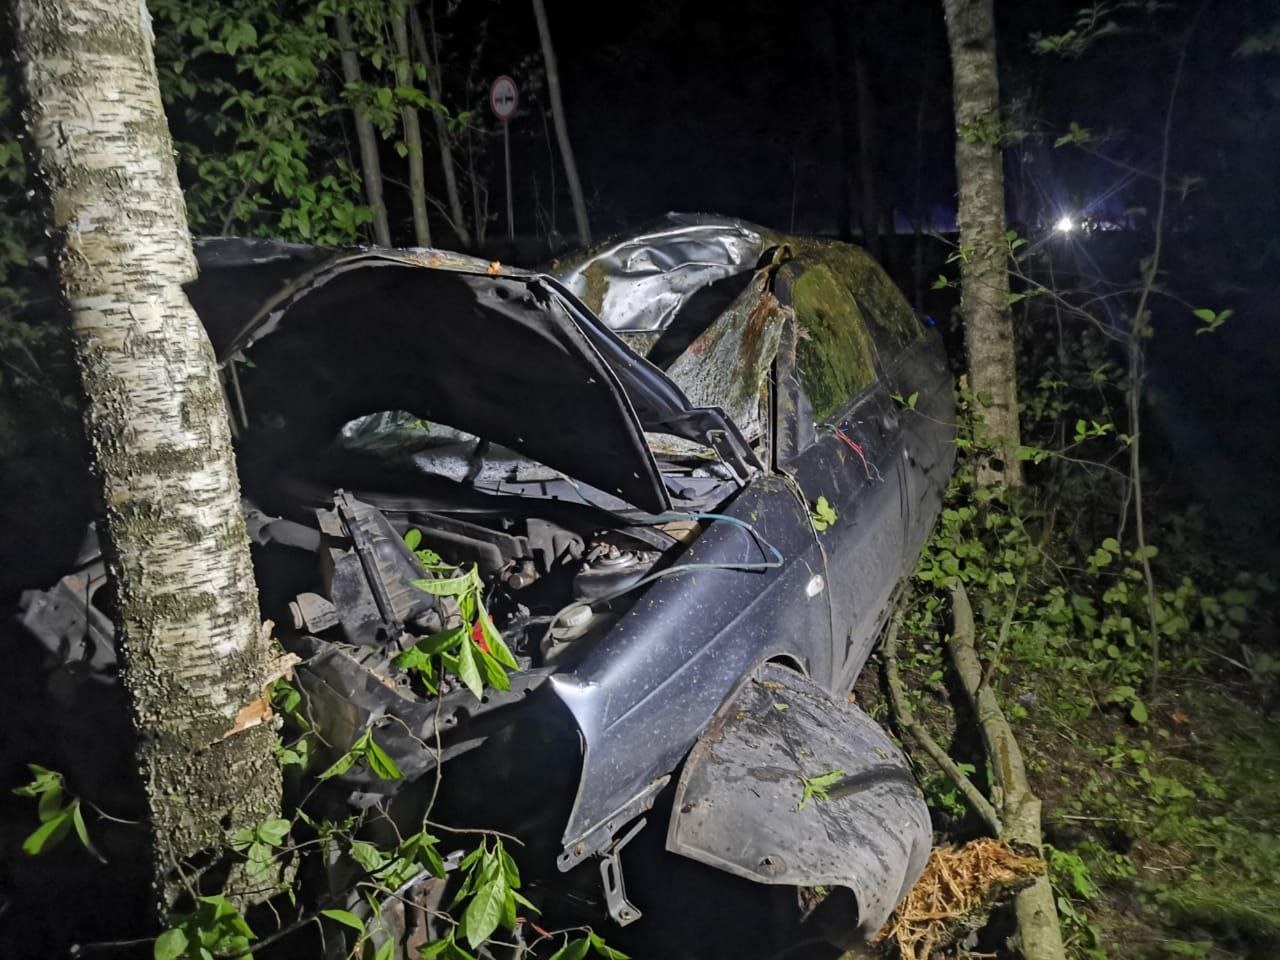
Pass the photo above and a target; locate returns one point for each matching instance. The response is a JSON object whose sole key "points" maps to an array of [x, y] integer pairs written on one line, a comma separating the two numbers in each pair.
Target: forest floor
{"points": [[1163, 838]]}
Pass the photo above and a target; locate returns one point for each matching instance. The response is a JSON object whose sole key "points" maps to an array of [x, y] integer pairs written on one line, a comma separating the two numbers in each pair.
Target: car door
{"points": [[840, 438]]}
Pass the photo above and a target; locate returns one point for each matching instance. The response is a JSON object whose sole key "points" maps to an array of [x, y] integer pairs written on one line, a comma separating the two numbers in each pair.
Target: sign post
{"points": [[504, 99]]}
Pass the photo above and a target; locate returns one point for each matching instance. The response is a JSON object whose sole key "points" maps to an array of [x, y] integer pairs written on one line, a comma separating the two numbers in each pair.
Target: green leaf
{"points": [[1138, 711], [345, 917], [1205, 314], [273, 832], [381, 765], [387, 950], [469, 673], [367, 855], [445, 640], [412, 537], [484, 912], [340, 766], [818, 786], [50, 804], [1111, 545], [446, 586], [49, 834], [602, 948], [43, 780], [170, 945], [572, 950]]}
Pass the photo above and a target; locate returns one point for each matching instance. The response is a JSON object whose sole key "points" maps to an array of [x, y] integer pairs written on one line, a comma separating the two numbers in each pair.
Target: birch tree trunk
{"points": [[429, 57], [984, 278], [412, 131], [194, 656], [562, 128], [370, 164]]}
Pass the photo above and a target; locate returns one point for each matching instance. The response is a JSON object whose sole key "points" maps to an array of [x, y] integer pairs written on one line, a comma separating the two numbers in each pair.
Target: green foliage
{"points": [[474, 651], [259, 846], [58, 816], [364, 749], [490, 891], [1063, 622], [941, 792], [260, 145], [578, 948], [1211, 320], [215, 929], [816, 787], [823, 514]]}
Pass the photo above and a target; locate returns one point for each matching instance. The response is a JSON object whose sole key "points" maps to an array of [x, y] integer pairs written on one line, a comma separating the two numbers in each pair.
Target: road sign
{"points": [[504, 98]]}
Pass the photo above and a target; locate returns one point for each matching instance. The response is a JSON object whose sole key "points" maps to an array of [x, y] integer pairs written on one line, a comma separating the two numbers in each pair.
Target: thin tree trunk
{"points": [[562, 128], [870, 213], [412, 131], [194, 654], [370, 164], [984, 278], [429, 56]]}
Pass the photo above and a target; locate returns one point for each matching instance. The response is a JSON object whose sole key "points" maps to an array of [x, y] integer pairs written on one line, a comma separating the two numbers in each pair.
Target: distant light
{"points": [[1064, 225]]}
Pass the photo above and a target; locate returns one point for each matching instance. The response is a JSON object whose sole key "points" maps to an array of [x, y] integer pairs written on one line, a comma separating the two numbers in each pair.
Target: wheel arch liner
{"points": [[740, 807]]}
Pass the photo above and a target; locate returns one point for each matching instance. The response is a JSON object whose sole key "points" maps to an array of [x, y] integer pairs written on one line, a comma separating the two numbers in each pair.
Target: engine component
{"points": [[608, 570], [313, 613], [370, 575], [462, 542]]}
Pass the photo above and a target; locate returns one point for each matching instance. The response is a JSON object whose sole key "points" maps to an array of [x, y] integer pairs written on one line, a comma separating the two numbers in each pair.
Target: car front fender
{"points": [[746, 802]]}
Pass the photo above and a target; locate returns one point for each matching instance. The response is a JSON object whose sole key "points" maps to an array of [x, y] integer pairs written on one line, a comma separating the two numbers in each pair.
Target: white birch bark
{"points": [[193, 652]]}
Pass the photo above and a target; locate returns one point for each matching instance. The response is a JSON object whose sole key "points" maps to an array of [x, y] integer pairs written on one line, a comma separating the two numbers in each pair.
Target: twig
{"points": [[906, 719]]}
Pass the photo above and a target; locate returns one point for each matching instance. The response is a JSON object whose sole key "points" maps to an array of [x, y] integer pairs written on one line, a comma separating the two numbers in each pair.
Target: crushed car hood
{"points": [[505, 354]]}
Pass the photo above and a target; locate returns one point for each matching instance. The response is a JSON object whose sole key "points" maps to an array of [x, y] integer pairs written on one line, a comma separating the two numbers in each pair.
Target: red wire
{"points": [[856, 449]]}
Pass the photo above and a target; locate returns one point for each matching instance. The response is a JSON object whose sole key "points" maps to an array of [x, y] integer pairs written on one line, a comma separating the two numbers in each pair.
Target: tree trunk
{"points": [[412, 131], [562, 129], [429, 56], [984, 278], [370, 165], [193, 652]]}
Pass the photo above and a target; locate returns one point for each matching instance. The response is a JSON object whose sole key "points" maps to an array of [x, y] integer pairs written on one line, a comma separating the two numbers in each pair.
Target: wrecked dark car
{"points": [[674, 473]]}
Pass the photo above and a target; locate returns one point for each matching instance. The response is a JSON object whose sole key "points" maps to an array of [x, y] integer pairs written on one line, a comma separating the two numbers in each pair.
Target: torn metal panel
{"points": [[728, 365], [740, 804], [643, 282]]}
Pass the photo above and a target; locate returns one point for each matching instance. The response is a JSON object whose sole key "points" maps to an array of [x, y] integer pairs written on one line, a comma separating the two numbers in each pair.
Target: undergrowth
{"points": [[1161, 808]]}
